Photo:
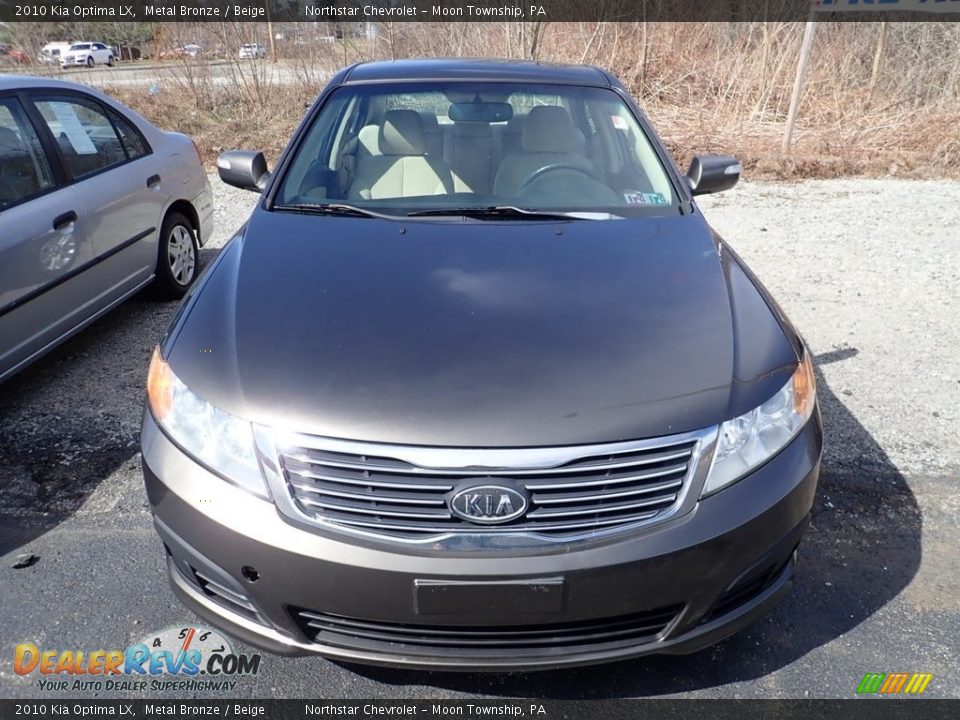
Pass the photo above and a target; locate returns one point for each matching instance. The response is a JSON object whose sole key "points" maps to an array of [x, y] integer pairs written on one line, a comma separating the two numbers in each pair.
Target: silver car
{"points": [[95, 204]]}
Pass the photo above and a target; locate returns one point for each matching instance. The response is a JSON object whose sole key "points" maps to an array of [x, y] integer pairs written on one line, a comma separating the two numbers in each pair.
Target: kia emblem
{"points": [[488, 504]]}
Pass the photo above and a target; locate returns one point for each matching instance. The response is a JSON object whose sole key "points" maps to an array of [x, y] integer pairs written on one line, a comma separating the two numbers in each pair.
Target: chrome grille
{"points": [[404, 491]]}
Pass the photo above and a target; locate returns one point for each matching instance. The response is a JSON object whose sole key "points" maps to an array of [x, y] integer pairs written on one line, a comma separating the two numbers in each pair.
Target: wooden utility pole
{"points": [[798, 84], [273, 45], [875, 70]]}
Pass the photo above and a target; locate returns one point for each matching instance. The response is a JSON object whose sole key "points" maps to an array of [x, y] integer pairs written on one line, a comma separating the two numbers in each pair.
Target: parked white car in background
{"points": [[252, 51], [87, 53], [95, 204]]}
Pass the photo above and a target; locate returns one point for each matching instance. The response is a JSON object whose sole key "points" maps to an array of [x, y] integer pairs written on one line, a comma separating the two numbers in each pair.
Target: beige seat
{"points": [[511, 134], [368, 139], [549, 137], [403, 168], [431, 129]]}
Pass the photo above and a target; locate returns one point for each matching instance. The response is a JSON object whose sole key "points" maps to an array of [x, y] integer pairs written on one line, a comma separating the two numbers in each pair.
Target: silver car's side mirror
{"points": [[246, 169]]}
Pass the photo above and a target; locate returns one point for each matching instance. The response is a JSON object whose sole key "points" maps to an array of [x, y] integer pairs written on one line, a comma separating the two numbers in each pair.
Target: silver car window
{"points": [[132, 141], [24, 171], [87, 139]]}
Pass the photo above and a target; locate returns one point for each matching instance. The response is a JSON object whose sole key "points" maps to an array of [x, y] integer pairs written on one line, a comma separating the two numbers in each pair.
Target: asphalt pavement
{"points": [[867, 269]]}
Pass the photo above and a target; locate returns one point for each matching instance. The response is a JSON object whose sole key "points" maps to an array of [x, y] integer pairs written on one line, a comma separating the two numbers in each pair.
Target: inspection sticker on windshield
{"points": [[619, 122], [642, 198]]}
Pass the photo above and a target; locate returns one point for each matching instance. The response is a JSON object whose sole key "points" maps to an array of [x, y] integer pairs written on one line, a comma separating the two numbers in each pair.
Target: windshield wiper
{"points": [[497, 211], [492, 211], [334, 209]]}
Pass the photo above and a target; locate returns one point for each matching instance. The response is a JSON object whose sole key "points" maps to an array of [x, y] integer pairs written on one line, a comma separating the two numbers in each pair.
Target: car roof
{"points": [[461, 69]]}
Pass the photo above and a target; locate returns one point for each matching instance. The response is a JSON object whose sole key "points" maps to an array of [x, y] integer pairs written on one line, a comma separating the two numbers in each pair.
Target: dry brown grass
{"points": [[223, 121], [880, 99]]}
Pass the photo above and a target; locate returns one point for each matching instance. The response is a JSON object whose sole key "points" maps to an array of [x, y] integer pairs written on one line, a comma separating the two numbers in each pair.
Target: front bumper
{"points": [[671, 588]]}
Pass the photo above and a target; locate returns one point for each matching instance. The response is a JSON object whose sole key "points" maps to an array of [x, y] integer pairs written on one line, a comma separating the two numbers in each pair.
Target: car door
{"points": [[113, 168], [101, 53], [43, 243]]}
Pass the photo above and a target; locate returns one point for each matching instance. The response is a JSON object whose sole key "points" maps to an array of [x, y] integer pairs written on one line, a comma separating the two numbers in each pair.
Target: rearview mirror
{"points": [[713, 173], [480, 112], [246, 169]]}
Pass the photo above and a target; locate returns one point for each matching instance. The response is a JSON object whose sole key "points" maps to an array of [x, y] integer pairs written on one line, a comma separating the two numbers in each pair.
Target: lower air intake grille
{"points": [[747, 590], [478, 641], [228, 598]]}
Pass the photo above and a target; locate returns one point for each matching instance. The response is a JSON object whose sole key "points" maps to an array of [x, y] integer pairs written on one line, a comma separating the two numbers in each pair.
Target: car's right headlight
{"points": [[752, 438], [222, 442]]}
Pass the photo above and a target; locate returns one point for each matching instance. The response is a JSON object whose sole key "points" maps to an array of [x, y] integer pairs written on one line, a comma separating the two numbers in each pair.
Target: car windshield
{"points": [[439, 148]]}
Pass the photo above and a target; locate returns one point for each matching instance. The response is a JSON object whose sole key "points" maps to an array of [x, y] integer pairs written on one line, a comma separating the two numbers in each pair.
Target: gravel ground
{"points": [[867, 269]]}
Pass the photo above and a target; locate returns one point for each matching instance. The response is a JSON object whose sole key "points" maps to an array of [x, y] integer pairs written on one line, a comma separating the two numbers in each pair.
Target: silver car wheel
{"points": [[181, 256]]}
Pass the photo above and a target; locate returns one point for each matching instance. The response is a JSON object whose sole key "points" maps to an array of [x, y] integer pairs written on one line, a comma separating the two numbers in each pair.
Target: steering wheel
{"points": [[555, 167]]}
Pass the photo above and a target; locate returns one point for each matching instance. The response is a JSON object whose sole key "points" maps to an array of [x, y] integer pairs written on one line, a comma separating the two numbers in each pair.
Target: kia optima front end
{"points": [[477, 387]]}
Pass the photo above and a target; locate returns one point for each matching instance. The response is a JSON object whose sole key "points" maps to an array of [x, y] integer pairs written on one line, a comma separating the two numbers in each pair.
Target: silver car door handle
{"points": [[60, 222], [153, 181]]}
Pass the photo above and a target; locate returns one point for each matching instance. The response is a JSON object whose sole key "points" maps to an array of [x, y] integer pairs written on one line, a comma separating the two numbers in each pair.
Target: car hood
{"points": [[475, 334]]}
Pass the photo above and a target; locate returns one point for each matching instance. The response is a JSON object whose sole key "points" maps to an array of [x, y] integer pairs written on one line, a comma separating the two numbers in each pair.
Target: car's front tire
{"points": [[90, 61], [178, 257]]}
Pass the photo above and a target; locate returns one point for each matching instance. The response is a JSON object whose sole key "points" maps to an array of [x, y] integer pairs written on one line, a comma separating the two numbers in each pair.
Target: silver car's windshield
{"points": [[406, 148]]}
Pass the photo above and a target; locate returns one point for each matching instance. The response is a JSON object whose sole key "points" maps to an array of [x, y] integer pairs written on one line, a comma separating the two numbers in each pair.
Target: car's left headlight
{"points": [[751, 439], [222, 442]]}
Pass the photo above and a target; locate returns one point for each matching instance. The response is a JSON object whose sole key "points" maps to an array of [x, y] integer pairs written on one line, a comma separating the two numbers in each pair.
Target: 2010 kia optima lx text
{"points": [[477, 386]]}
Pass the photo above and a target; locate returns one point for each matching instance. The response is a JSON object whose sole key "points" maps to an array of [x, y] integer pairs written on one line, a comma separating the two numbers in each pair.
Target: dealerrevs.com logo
{"points": [[177, 658]]}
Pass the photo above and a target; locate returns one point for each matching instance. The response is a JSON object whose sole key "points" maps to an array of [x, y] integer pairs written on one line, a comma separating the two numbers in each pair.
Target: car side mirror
{"points": [[713, 173], [246, 169]]}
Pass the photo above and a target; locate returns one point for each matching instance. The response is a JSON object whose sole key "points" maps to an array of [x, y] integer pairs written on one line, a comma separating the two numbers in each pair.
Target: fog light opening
{"points": [[250, 573]]}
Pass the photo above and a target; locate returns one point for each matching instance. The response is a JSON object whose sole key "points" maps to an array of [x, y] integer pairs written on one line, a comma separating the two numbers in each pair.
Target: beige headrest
{"points": [[549, 129], [402, 133], [369, 139]]}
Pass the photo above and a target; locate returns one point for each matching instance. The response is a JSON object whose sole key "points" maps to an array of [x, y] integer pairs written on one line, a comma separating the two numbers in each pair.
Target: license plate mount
{"points": [[499, 598]]}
